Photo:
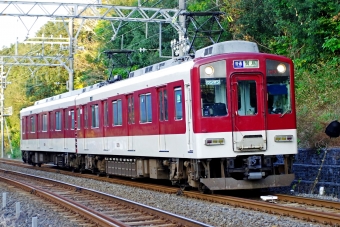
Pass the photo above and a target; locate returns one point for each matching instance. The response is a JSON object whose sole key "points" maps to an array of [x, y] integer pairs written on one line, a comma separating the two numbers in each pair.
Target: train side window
{"points": [[131, 110], [106, 114], [78, 118], [145, 108], [32, 124], [44, 123], [72, 119], [178, 103], [117, 112], [95, 116], [163, 104], [58, 121]]}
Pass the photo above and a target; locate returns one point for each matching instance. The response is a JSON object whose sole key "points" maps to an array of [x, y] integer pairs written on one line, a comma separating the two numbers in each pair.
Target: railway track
{"points": [[98, 208], [313, 210]]}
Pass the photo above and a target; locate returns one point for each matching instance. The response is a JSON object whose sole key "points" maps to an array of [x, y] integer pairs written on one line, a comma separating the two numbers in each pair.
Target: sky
{"points": [[13, 29]]}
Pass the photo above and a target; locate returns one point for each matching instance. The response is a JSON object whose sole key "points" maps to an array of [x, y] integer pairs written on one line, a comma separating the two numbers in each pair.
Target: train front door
{"points": [[248, 112]]}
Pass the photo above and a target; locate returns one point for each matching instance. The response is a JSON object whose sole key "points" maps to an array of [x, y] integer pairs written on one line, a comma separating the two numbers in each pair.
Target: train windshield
{"points": [[278, 87]]}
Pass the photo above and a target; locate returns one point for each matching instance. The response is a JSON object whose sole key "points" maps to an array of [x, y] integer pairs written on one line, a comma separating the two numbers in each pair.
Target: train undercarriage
{"points": [[241, 172]]}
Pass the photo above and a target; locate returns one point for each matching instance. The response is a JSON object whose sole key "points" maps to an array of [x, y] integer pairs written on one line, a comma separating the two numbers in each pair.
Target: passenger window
{"points": [[85, 117], [32, 124], [106, 114], [44, 123], [95, 116], [145, 108], [117, 112], [178, 103], [58, 120]]}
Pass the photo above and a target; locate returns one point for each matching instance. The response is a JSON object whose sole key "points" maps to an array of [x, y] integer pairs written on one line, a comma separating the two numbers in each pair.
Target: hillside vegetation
{"points": [[307, 31]]}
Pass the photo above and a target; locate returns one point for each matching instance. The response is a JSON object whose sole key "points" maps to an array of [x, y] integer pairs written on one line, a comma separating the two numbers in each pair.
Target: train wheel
{"points": [[34, 164], [202, 188], [39, 164]]}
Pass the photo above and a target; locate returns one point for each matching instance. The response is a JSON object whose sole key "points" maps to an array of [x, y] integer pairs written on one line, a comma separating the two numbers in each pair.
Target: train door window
{"points": [[86, 117], [163, 104], [145, 108], [106, 114], [278, 87], [117, 112], [44, 123], [32, 124], [58, 121], [131, 110], [78, 118], [95, 116], [247, 103], [178, 103], [51, 121], [66, 114], [72, 119]]}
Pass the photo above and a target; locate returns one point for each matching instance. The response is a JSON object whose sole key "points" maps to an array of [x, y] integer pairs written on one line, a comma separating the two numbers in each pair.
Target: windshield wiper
{"points": [[289, 110]]}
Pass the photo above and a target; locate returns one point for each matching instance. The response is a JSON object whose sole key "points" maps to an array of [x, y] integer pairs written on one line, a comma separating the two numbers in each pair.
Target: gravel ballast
{"points": [[203, 211]]}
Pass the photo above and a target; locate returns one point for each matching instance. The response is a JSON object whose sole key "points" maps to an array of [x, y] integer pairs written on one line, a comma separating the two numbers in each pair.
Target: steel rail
{"points": [[309, 201], [86, 213], [304, 214], [183, 221]]}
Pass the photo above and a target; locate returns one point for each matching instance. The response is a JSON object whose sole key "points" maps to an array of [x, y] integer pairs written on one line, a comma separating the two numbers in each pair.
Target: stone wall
{"points": [[306, 166]]}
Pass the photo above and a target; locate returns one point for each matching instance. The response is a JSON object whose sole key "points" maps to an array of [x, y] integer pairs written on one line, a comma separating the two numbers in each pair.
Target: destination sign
{"points": [[243, 64]]}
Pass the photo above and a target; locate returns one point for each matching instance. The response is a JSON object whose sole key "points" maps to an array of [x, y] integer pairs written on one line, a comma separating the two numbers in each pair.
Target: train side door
{"points": [[248, 112], [131, 120], [163, 117]]}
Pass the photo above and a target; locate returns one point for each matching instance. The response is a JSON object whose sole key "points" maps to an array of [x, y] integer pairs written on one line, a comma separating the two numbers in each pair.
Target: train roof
{"points": [[215, 49]]}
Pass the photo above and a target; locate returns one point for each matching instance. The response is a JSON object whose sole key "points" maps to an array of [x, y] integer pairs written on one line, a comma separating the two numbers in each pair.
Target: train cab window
{"points": [[44, 123], [72, 119], [247, 103], [213, 89], [106, 114], [117, 112], [178, 103], [95, 116], [278, 87], [131, 110], [32, 124], [58, 121], [78, 118], [145, 108], [163, 104]]}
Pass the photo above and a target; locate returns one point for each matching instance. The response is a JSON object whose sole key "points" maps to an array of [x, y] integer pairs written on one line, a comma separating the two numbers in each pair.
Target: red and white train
{"points": [[217, 121]]}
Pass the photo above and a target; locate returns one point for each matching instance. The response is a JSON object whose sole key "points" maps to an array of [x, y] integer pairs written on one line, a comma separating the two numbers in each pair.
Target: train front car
{"points": [[243, 118]]}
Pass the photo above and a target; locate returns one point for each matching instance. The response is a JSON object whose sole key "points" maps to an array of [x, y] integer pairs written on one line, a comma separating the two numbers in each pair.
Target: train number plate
{"points": [[241, 64]]}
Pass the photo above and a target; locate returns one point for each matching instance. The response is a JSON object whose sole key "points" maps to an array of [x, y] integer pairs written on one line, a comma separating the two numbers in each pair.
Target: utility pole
{"points": [[181, 7], [71, 56], [2, 107]]}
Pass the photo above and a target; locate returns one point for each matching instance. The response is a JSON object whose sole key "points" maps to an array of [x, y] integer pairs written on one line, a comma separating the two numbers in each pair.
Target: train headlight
{"points": [[281, 68], [283, 138], [214, 141], [209, 70]]}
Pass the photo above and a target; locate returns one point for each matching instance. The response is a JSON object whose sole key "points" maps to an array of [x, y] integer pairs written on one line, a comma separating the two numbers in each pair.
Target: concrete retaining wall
{"points": [[306, 166]]}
